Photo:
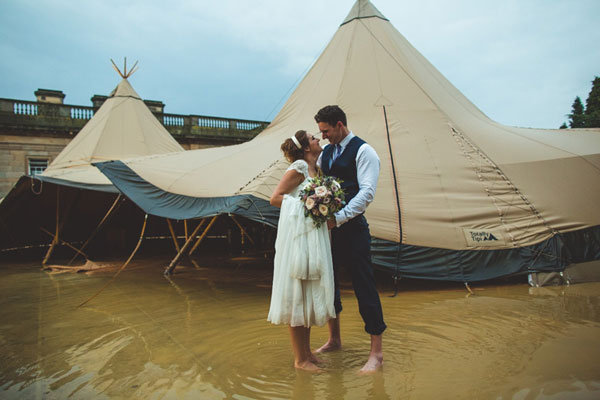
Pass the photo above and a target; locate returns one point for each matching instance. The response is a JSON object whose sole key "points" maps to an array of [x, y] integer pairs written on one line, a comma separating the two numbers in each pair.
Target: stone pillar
{"points": [[49, 96]]}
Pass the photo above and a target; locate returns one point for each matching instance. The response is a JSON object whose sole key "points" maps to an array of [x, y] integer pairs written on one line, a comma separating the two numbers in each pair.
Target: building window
{"points": [[37, 166]]}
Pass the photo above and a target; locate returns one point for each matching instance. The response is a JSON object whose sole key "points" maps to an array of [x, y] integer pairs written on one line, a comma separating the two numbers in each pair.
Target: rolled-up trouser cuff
{"points": [[377, 331]]}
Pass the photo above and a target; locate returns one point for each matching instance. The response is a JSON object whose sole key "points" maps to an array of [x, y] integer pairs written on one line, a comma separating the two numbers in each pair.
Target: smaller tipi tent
{"points": [[71, 187], [123, 127]]}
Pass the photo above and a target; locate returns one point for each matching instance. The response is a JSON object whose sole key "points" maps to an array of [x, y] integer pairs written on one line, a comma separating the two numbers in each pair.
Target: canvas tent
{"points": [[460, 197], [71, 188], [123, 127]]}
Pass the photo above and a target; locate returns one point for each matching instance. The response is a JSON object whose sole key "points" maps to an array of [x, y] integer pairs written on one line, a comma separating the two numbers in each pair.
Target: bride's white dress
{"points": [[303, 286]]}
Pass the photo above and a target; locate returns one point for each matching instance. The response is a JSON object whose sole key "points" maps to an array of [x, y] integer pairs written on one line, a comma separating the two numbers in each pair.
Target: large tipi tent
{"points": [[460, 197], [122, 127]]}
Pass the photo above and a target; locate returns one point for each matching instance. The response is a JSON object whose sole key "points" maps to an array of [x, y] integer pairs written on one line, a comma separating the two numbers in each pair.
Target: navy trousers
{"points": [[351, 249]]}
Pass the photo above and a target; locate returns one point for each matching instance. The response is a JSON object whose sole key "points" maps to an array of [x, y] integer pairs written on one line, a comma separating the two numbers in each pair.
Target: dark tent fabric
{"points": [[403, 260]]}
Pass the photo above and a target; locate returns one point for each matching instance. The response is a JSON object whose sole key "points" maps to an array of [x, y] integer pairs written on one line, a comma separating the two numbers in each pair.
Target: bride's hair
{"points": [[291, 151]]}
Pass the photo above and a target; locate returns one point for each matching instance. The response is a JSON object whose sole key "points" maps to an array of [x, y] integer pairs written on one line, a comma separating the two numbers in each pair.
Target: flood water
{"points": [[203, 334]]}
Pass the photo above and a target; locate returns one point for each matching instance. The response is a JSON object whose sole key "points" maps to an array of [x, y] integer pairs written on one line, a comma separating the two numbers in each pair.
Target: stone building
{"points": [[33, 133]]}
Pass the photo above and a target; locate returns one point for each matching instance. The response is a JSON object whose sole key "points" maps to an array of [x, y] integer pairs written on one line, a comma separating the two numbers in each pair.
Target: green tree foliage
{"points": [[592, 105], [577, 116], [563, 126]]}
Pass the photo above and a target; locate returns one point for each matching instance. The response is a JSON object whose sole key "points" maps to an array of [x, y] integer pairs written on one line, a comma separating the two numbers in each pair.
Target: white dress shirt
{"points": [[367, 174]]}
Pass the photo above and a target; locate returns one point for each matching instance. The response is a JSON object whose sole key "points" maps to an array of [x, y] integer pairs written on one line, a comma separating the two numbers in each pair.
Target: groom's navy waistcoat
{"points": [[344, 166]]}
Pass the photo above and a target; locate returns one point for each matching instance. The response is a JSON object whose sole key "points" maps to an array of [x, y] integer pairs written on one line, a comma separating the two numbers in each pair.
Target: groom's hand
{"points": [[330, 224]]}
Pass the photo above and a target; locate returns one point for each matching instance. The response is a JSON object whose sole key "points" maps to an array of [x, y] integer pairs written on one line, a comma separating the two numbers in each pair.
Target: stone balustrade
{"points": [[21, 116]]}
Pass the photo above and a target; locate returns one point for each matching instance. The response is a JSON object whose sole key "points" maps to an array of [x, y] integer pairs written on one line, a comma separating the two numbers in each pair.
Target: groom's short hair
{"points": [[331, 115]]}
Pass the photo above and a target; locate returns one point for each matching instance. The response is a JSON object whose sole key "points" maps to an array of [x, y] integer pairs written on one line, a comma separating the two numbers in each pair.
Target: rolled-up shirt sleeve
{"points": [[367, 173]]}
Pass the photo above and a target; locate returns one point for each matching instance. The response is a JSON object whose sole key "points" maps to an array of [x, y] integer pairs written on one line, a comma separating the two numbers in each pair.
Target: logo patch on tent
{"points": [[482, 237]]}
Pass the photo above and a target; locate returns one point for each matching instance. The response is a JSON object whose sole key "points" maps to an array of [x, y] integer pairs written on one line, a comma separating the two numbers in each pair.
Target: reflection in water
{"points": [[203, 334]]}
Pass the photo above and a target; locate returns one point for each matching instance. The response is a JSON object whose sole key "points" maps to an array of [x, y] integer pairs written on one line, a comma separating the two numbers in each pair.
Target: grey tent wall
{"points": [[551, 255]]}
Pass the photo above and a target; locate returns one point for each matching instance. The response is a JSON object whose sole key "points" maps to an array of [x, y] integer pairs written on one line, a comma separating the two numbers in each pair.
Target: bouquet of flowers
{"points": [[322, 197]]}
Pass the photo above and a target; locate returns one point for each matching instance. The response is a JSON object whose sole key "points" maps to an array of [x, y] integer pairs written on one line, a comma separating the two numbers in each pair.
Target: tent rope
{"points": [[387, 129], [33, 179], [262, 217], [123, 266], [98, 227]]}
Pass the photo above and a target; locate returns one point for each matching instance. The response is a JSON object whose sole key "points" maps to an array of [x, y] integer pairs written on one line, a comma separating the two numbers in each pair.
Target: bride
{"points": [[300, 300]]}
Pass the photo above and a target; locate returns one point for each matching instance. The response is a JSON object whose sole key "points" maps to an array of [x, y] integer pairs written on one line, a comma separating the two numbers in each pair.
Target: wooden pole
{"points": [[104, 219], [55, 239], [185, 229], [117, 69], [242, 230], [175, 260], [212, 221], [132, 70], [61, 224], [173, 234], [69, 245]]}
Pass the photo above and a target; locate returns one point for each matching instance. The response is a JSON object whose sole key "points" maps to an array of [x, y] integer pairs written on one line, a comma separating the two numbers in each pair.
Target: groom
{"points": [[352, 160]]}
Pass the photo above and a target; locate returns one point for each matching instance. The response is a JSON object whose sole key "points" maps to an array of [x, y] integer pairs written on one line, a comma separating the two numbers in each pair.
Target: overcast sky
{"points": [[522, 62]]}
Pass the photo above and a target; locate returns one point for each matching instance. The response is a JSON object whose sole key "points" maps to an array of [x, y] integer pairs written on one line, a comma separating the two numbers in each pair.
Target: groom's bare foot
{"points": [[373, 364], [331, 345], [308, 366], [314, 359]]}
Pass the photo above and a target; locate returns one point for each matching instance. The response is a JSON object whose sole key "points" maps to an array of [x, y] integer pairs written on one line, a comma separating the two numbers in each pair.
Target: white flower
{"points": [[323, 209], [335, 186], [310, 203], [320, 191], [307, 187]]}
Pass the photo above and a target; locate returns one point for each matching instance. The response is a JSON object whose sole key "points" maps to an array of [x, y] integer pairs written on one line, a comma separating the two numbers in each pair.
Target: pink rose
{"points": [[321, 191]]}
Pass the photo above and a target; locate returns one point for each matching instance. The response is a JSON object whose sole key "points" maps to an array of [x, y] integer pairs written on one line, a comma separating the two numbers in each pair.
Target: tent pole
{"points": [[185, 229], [173, 234], [69, 245], [243, 231], [137, 246], [212, 221], [175, 260], [55, 239], [468, 288], [60, 226], [97, 228]]}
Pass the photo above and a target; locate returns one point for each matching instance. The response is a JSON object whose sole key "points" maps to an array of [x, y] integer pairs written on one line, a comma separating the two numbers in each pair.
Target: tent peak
{"points": [[125, 74], [124, 89], [363, 9]]}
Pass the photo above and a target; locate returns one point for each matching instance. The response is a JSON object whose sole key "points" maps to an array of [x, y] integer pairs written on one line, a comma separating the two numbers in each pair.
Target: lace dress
{"points": [[303, 287]]}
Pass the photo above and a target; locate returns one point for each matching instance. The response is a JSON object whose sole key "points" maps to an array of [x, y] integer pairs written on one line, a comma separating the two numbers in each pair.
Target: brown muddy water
{"points": [[203, 334]]}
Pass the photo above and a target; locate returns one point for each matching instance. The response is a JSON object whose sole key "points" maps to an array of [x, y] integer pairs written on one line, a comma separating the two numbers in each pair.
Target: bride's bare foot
{"points": [[307, 366], [373, 364], [331, 345]]}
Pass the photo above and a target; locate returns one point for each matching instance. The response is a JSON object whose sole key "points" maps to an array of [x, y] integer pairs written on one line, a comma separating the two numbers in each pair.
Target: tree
{"points": [[577, 116], [592, 105], [563, 126]]}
